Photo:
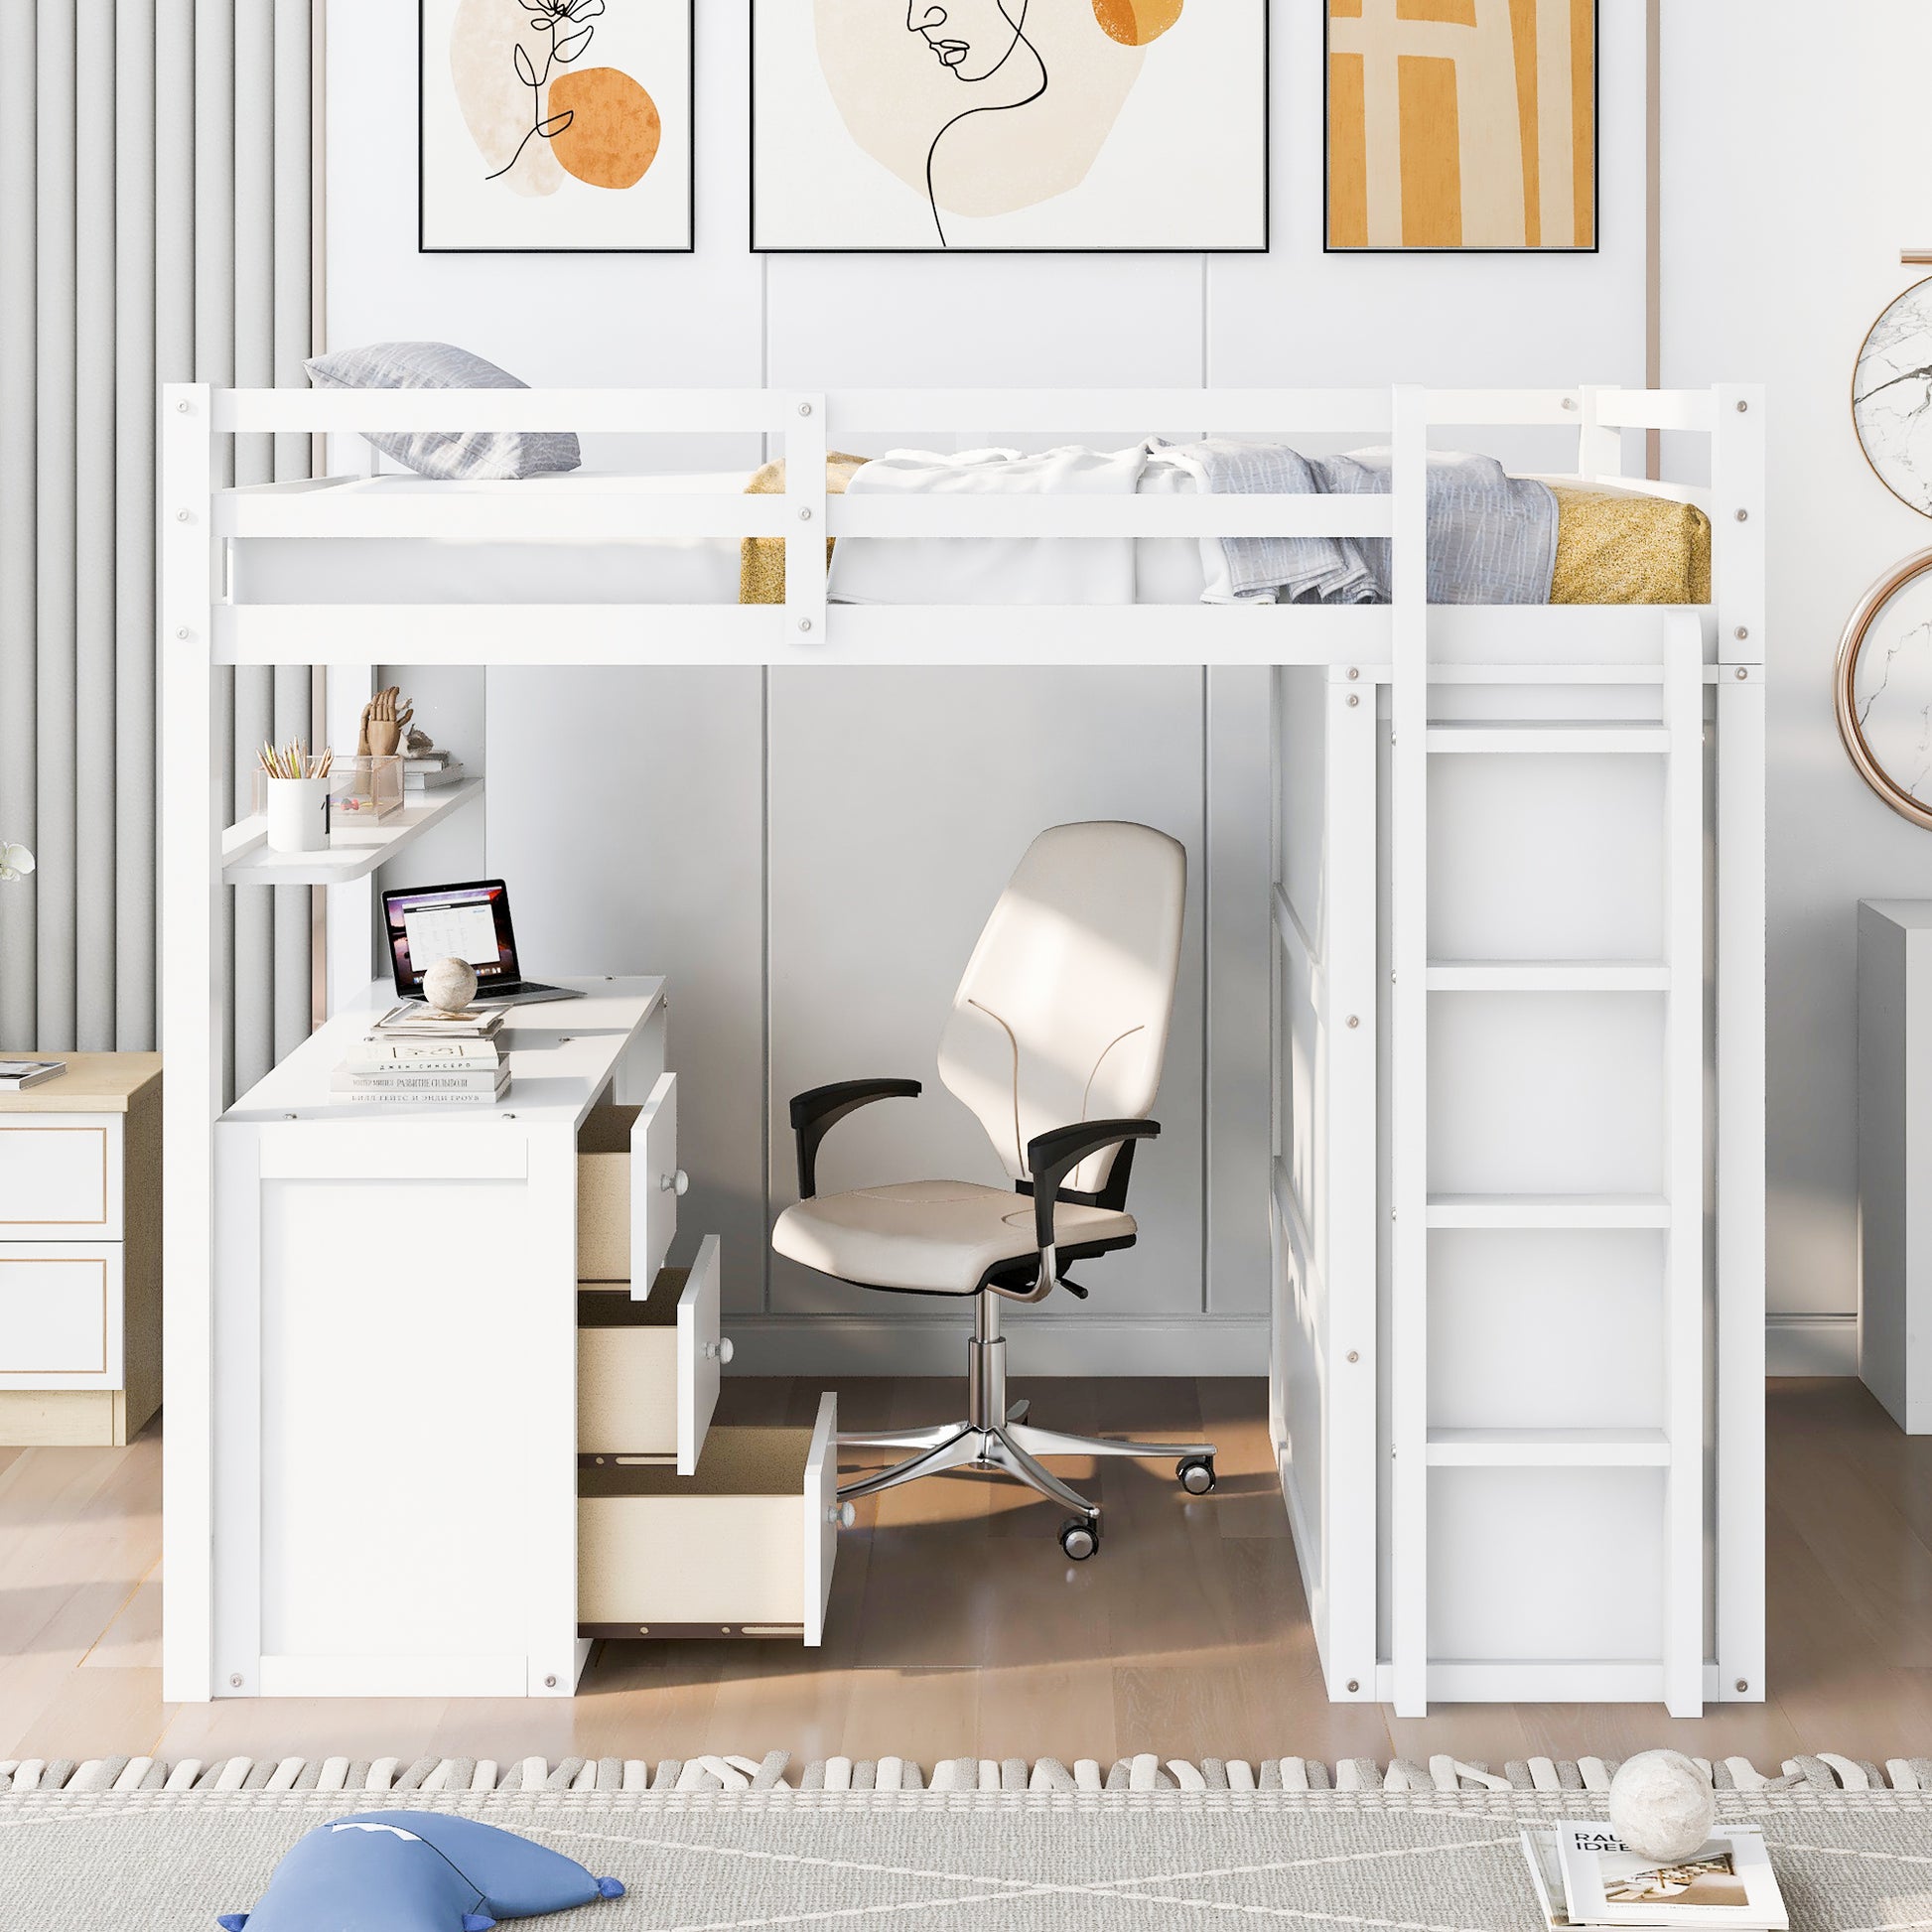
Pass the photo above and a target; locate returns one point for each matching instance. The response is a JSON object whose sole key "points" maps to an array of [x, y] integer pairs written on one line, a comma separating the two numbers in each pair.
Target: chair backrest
{"points": [[1063, 1013]]}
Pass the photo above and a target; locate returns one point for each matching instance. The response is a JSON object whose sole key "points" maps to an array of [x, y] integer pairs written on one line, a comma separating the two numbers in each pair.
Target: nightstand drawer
{"points": [[648, 1370], [745, 1548], [60, 1315], [60, 1179]]}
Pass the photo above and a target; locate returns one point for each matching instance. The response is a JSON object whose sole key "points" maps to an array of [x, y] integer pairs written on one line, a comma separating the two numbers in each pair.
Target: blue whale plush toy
{"points": [[415, 1871]]}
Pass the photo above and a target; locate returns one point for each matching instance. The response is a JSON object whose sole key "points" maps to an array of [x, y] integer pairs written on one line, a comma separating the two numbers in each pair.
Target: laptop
{"points": [[469, 923]]}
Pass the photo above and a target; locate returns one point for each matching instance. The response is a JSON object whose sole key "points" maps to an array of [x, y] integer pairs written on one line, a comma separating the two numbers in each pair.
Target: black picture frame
{"points": [[689, 247], [1596, 247], [1261, 247]]}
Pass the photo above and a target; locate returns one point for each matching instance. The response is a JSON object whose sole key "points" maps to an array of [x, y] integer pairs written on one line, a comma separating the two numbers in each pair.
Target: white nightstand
{"points": [[81, 1252]]}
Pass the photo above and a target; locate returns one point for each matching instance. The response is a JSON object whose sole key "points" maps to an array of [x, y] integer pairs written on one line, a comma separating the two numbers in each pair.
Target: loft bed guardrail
{"points": [[803, 427]]}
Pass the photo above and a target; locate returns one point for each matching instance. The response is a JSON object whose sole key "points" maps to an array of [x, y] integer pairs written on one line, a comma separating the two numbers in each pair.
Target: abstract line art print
{"points": [[908, 126], [556, 125]]}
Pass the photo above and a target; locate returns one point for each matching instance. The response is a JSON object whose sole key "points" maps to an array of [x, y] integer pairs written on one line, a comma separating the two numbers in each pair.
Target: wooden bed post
{"points": [[193, 1029]]}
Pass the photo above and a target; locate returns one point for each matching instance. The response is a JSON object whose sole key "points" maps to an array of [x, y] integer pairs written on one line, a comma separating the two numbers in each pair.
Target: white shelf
{"points": [[1548, 1449], [1548, 1211], [1547, 976], [1536, 737], [247, 861]]}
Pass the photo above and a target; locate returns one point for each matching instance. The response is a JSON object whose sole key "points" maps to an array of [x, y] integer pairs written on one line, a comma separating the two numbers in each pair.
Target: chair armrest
{"points": [[815, 1114], [1051, 1157]]}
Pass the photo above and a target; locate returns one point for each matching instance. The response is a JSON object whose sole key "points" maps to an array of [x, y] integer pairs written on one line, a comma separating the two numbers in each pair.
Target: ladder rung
{"points": [[1535, 736], [1547, 976], [1548, 1449], [1554, 1212]]}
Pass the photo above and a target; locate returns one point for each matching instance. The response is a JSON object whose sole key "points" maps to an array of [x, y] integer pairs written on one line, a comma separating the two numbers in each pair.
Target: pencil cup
{"points": [[298, 815]]}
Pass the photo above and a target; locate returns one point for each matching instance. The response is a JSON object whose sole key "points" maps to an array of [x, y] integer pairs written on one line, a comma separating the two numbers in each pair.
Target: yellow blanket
{"points": [[1617, 546], [761, 560]]}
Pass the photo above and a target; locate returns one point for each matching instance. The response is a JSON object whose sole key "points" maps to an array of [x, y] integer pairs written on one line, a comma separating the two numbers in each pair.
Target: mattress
{"points": [[1613, 547]]}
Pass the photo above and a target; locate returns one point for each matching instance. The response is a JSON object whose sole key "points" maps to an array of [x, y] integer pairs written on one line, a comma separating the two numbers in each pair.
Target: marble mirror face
{"points": [[1892, 397], [1884, 690]]}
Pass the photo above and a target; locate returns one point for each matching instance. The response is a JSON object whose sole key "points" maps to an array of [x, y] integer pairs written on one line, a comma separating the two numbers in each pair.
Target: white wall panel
{"points": [[625, 813]]}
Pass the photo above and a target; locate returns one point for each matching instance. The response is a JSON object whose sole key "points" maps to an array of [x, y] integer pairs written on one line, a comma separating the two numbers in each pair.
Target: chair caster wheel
{"points": [[1196, 1473], [1080, 1537]]}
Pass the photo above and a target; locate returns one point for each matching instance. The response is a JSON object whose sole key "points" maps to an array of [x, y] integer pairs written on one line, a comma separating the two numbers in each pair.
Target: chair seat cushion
{"points": [[936, 1236]]}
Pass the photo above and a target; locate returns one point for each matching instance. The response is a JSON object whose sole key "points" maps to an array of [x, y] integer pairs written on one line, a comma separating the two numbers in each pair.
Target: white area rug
{"points": [[1011, 1848]]}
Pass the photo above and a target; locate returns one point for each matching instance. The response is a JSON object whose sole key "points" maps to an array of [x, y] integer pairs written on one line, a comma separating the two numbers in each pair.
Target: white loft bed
{"points": [[1515, 1468]]}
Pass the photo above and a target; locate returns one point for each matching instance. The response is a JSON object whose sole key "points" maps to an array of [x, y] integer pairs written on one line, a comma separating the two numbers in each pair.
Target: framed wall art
{"points": [[905, 127], [1461, 124], [556, 126]]}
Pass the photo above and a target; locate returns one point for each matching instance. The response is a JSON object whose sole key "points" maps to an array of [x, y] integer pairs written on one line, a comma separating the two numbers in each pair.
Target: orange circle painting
{"points": [[1136, 21], [611, 135], [536, 114]]}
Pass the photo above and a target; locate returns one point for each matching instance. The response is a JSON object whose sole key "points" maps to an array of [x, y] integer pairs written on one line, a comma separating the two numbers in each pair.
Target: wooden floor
{"points": [[957, 1629]]}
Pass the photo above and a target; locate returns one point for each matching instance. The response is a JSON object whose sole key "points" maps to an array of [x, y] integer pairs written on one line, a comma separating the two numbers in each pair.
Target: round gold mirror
{"points": [[1882, 685]]}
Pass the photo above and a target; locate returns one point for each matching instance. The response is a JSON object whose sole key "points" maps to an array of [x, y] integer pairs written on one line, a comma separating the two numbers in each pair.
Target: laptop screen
{"points": [[469, 923]]}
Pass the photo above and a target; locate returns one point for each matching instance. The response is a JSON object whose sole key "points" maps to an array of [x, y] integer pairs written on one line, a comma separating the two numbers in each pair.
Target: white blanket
{"points": [[1021, 570]]}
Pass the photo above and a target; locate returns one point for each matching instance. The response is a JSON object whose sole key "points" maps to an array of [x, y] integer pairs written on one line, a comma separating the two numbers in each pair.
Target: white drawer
{"points": [[60, 1179], [743, 1547], [628, 1187], [60, 1315], [648, 1371]]}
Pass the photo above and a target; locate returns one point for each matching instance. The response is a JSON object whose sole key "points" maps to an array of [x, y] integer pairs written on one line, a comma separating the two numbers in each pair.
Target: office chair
{"points": [[1056, 1042]]}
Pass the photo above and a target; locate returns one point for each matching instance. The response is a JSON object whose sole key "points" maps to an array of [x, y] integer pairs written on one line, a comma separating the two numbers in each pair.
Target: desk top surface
{"points": [[95, 1084], [562, 1056]]}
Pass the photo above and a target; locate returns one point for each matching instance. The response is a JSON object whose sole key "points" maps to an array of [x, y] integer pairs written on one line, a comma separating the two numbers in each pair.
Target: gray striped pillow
{"points": [[445, 453]]}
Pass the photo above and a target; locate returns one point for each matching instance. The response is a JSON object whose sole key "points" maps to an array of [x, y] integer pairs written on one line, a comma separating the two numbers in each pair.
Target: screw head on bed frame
{"points": [[1741, 674], [183, 632], [184, 516], [1354, 1684], [804, 623], [234, 1680], [805, 515], [1354, 673], [1743, 409], [180, 408], [1743, 1683], [804, 409], [1354, 1021], [549, 1682], [1743, 516], [1569, 402], [1353, 700], [1743, 632], [1354, 1354]]}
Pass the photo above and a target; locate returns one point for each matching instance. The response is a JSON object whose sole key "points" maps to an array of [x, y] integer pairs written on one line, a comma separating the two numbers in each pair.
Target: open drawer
{"points": [[648, 1371], [629, 1185], [742, 1548]]}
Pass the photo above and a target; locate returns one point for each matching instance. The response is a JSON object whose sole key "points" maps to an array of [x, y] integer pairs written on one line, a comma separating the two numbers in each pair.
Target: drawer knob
{"points": [[678, 1184], [842, 1516], [719, 1352]]}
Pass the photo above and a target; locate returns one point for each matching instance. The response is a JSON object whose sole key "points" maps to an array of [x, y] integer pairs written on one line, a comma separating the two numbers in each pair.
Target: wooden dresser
{"points": [[81, 1252]]}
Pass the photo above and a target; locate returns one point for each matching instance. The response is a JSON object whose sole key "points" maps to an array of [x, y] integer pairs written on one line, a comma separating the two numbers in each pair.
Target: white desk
{"points": [[395, 1362]]}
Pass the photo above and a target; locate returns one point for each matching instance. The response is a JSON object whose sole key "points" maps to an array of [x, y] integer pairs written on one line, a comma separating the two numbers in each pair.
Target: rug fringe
{"points": [[1824, 1771]]}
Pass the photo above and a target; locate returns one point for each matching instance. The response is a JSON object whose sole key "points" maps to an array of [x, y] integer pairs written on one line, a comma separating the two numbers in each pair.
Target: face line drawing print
{"points": [[927, 18]]}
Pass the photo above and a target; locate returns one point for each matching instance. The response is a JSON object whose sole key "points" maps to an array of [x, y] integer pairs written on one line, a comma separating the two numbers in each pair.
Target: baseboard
{"points": [[1810, 1344], [840, 1344]]}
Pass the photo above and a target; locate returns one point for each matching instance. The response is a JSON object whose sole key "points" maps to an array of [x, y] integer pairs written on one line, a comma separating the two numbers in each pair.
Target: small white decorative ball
{"points": [[1661, 1805], [449, 985]]}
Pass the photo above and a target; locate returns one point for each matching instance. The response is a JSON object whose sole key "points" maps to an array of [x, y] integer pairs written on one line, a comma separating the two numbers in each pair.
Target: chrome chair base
{"points": [[998, 1438]]}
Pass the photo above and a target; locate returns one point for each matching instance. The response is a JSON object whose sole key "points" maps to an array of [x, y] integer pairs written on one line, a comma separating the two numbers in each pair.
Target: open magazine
{"points": [[1584, 1876]]}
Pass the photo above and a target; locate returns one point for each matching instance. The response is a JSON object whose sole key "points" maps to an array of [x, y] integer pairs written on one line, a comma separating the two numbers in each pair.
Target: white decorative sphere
{"points": [[1661, 1805], [449, 985]]}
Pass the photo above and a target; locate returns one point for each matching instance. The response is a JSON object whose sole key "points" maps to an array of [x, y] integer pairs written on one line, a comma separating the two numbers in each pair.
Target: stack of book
{"points": [[429, 772], [1584, 1877], [414, 1053]]}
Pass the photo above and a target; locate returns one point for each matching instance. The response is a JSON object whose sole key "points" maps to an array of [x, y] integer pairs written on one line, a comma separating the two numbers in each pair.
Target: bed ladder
{"points": [[1676, 737]]}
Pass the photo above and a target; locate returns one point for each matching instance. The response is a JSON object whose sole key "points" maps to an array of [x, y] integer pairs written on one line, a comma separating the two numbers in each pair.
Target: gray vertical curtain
{"points": [[155, 196]]}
